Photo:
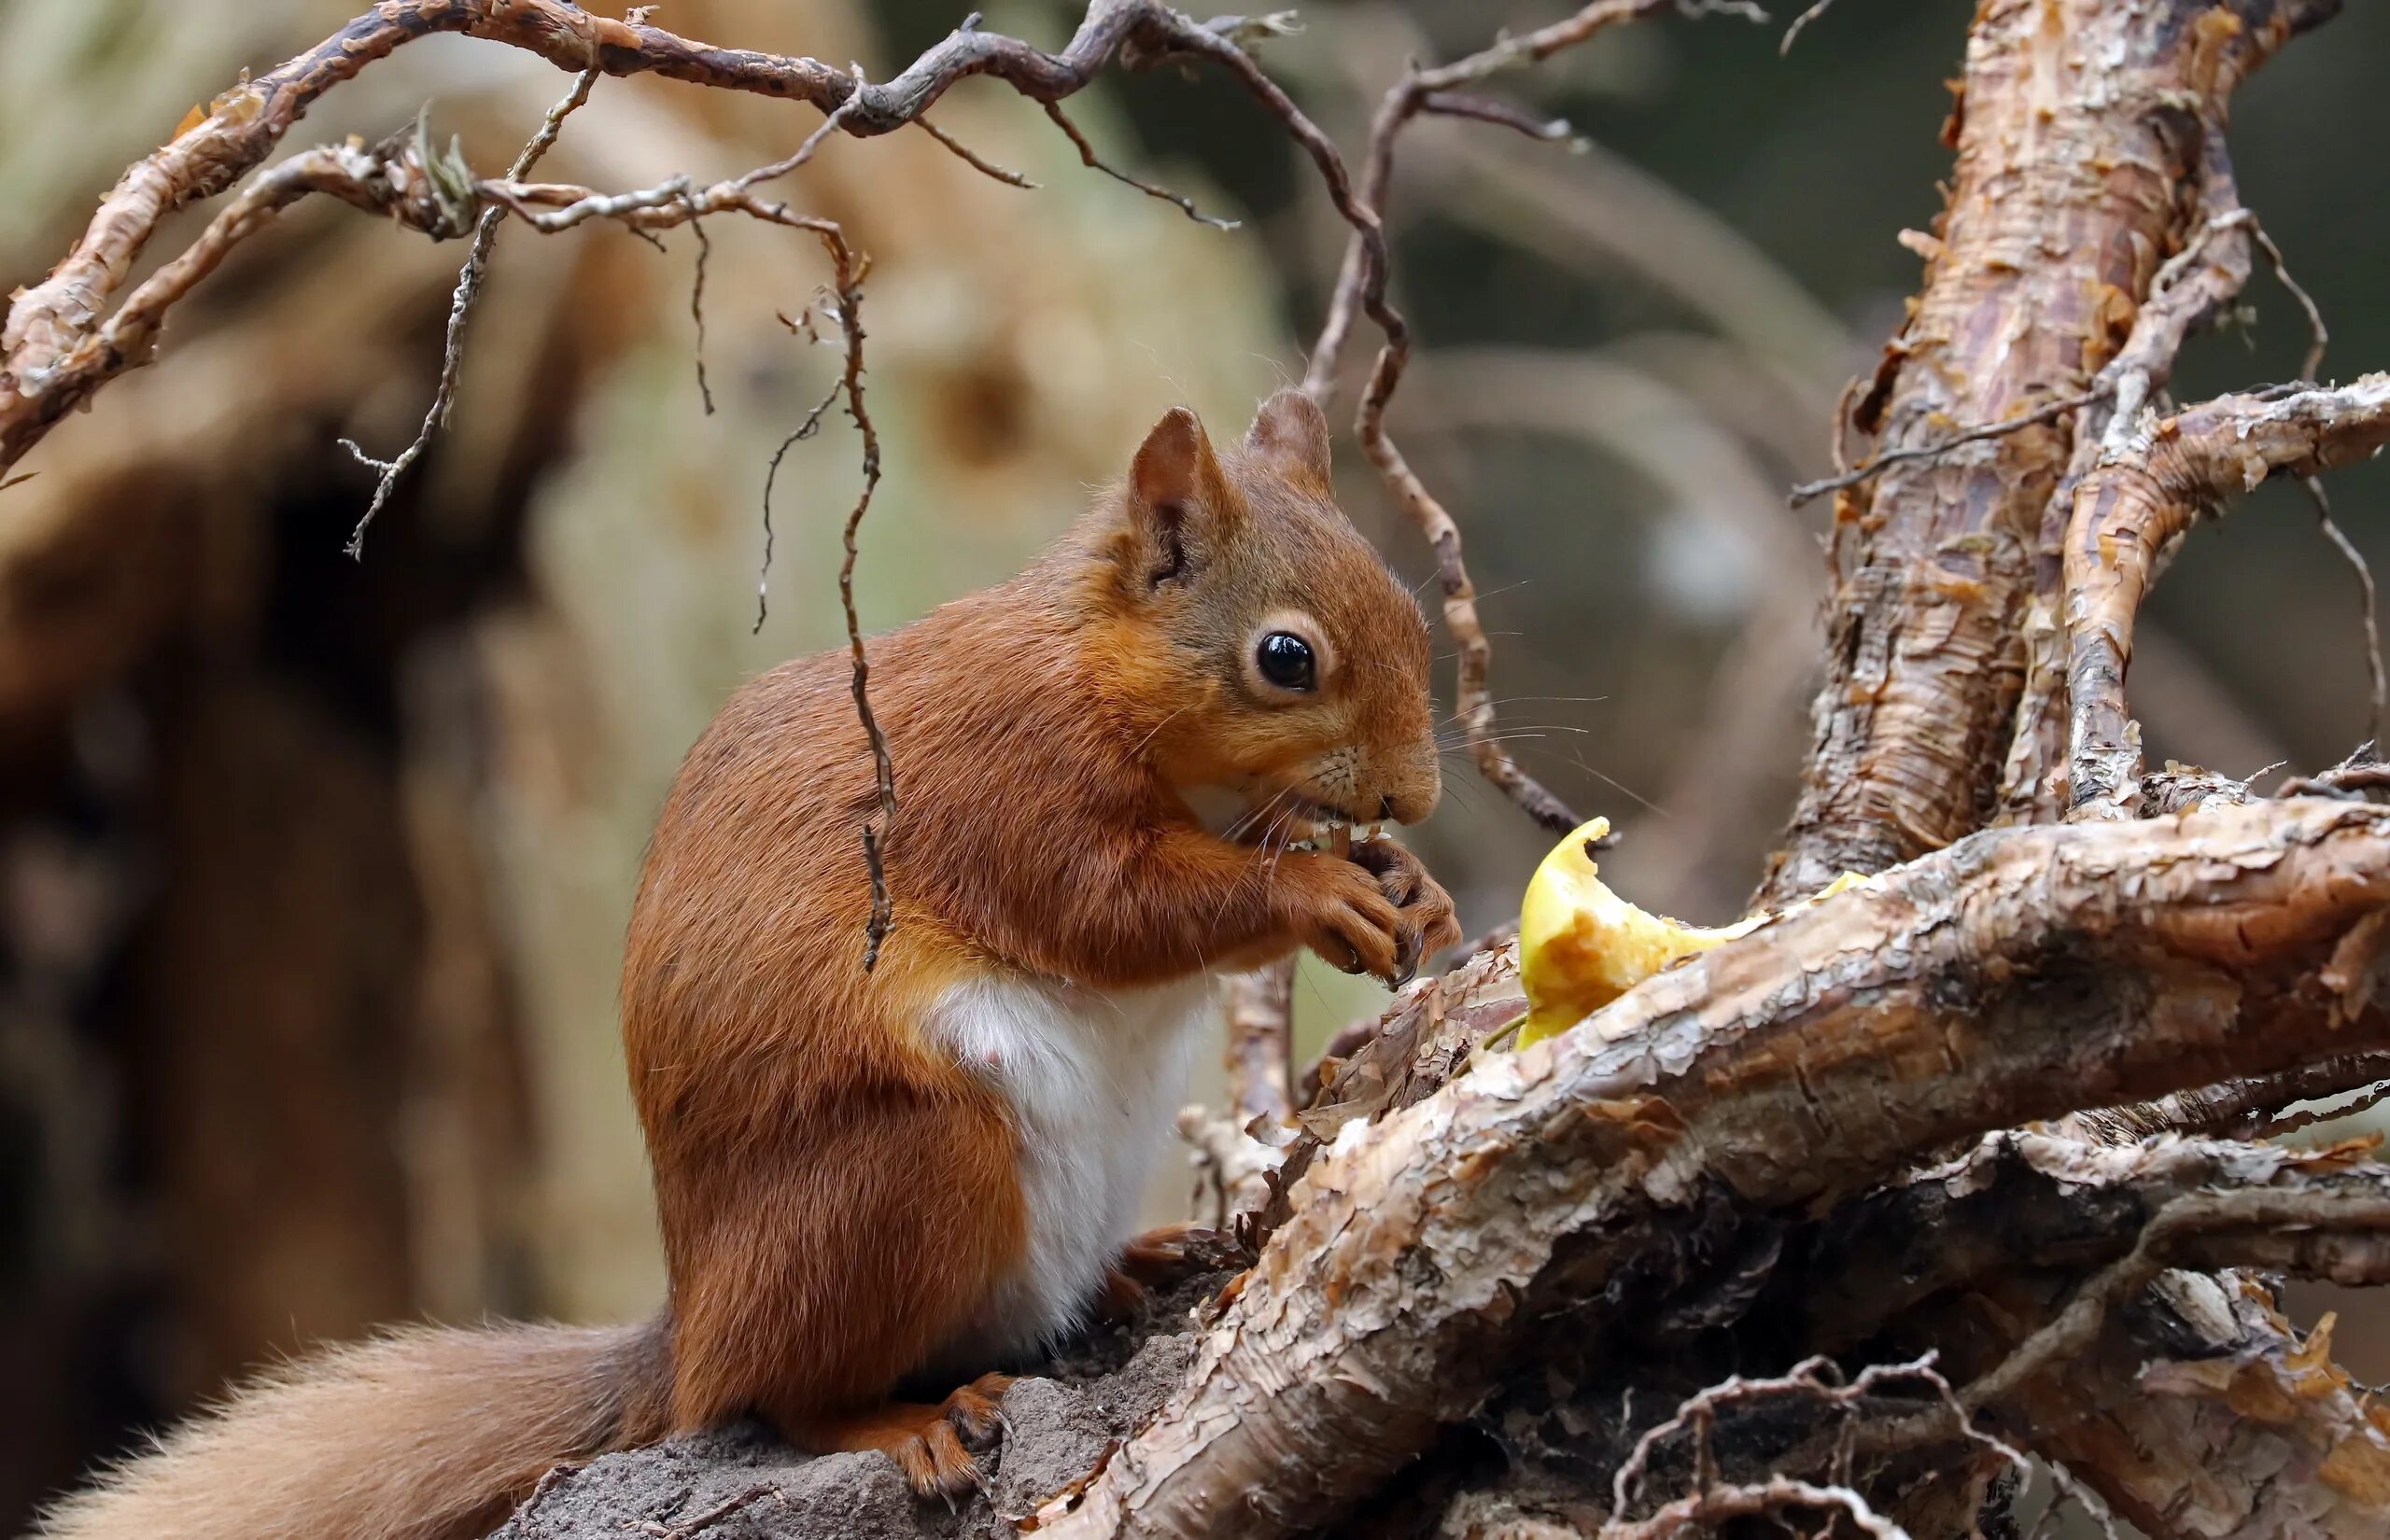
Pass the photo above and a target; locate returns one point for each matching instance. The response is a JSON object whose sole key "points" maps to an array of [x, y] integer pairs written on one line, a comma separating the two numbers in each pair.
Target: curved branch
{"points": [[2017, 974], [62, 314], [1361, 286], [1935, 558], [2130, 510]]}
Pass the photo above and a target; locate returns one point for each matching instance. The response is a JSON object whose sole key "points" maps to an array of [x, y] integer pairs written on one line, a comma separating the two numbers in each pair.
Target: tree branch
{"points": [[47, 362], [2144, 496], [2016, 976], [1935, 556], [1361, 287]]}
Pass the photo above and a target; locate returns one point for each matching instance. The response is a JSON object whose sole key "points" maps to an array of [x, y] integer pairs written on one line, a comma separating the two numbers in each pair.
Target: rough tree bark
{"points": [[2079, 128], [1796, 1154]]}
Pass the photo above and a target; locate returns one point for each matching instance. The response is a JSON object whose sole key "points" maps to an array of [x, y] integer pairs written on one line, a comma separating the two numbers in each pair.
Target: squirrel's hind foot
{"points": [[934, 1445]]}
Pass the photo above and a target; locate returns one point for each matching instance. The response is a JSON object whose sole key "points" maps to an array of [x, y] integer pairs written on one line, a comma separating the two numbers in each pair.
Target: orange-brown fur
{"points": [[839, 1198]]}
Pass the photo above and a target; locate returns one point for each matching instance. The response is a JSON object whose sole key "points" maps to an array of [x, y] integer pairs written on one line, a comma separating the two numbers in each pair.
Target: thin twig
{"points": [[2319, 336], [715, 1515], [971, 158], [1361, 289], [1453, 103], [697, 308], [460, 309], [804, 430], [2046, 412], [1715, 1504], [1087, 153], [875, 830], [1800, 23], [56, 349], [2380, 690]]}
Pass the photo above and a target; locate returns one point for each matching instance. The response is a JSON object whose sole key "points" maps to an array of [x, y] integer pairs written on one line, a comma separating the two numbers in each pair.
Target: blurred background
{"points": [[313, 873]]}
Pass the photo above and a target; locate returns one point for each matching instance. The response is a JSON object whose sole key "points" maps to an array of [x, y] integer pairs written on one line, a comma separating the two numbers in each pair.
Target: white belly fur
{"points": [[1094, 1079]]}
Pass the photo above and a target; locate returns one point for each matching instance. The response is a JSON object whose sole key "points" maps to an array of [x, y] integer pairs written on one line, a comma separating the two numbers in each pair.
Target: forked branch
{"points": [[2142, 497]]}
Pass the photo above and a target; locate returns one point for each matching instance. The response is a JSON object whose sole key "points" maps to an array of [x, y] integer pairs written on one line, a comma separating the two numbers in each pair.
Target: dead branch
{"points": [[1361, 287], [1997, 981], [460, 309], [1935, 556], [48, 360], [2204, 1415], [2192, 290], [1095, 162], [2142, 497], [1237, 1153], [2240, 1109], [2048, 412], [1986, 1255]]}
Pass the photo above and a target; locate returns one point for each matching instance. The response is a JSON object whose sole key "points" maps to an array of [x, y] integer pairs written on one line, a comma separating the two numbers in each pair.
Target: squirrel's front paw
{"points": [[1377, 912], [1428, 924]]}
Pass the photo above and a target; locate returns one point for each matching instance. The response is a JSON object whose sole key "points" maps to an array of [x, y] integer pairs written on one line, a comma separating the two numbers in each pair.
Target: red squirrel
{"points": [[901, 1179]]}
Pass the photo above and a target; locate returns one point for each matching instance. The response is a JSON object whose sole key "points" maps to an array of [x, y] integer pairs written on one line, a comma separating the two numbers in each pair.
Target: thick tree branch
{"points": [[2060, 206], [2016, 976]]}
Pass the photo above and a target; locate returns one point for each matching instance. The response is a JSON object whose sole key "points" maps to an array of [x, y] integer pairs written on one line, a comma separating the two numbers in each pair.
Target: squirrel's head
{"points": [[1286, 668]]}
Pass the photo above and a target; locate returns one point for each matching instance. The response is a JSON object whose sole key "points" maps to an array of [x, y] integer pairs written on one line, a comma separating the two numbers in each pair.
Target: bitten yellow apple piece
{"points": [[1581, 946]]}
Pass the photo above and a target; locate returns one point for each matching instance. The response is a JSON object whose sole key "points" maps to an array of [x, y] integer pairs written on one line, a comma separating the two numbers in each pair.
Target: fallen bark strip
{"points": [[2145, 496], [2020, 975], [2062, 201]]}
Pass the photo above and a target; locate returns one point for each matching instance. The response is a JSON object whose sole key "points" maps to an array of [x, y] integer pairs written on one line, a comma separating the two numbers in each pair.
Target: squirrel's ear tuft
{"points": [[1291, 433], [1175, 463], [1176, 485]]}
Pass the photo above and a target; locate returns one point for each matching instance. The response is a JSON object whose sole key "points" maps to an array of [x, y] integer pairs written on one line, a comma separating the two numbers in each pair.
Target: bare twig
{"points": [[1776, 1493], [1361, 288], [2319, 336], [1087, 153], [56, 349], [2046, 412], [972, 158], [1453, 103], [697, 308], [1800, 24], [737, 1503], [804, 429], [460, 309], [2368, 601], [876, 830]]}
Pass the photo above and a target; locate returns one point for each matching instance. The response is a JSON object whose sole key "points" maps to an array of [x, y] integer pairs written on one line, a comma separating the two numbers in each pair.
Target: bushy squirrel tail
{"points": [[423, 1434]]}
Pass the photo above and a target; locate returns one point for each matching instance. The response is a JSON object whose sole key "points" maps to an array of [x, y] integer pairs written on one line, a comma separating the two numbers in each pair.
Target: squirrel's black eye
{"points": [[1284, 660]]}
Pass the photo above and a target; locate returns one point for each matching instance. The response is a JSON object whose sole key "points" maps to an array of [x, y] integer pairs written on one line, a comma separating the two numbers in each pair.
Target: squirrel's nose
{"points": [[1409, 805]]}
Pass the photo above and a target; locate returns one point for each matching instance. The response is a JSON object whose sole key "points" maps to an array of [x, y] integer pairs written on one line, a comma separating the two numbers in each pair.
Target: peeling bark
{"points": [[2009, 977], [2078, 124], [2143, 496]]}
